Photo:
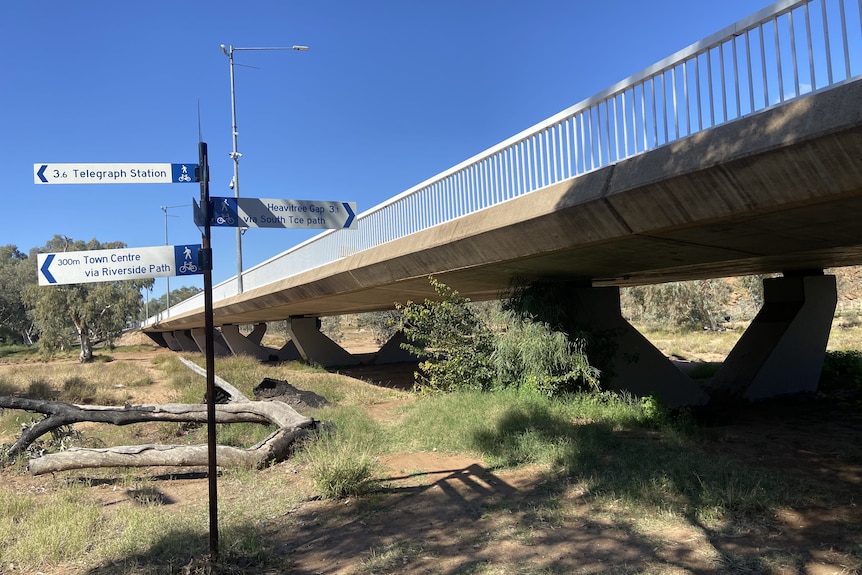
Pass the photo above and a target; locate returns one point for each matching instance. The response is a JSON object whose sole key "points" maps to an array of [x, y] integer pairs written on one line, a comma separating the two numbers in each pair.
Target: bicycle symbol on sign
{"points": [[188, 265], [184, 177], [224, 216]]}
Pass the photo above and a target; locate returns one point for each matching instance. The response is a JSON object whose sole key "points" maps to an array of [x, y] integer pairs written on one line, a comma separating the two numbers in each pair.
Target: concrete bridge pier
{"points": [[171, 342], [181, 340], [782, 351], [314, 346], [220, 347], [392, 352], [158, 337], [250, 344], [633, 363]]}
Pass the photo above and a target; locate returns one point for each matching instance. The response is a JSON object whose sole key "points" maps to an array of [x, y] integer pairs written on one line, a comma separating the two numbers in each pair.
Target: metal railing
{"points": [[785, 51]]}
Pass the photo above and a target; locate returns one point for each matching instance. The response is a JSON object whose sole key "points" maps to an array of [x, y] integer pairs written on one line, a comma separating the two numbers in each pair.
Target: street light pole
{"points": [[235, 155]]}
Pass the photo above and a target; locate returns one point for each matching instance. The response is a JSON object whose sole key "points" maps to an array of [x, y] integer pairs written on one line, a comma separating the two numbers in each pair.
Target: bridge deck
{"points": [[779, 190]]}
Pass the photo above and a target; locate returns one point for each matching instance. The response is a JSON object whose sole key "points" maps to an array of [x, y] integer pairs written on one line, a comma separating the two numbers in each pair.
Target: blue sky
{"points": [[389, 94]]}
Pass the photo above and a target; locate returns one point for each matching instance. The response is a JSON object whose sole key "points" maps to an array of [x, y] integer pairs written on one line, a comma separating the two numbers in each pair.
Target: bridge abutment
{"points": [[782, 351]]}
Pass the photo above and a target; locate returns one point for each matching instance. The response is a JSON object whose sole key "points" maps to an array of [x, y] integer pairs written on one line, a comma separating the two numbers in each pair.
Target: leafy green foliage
{"points": [[531, 354], [454, 344], [461, 351], [554, 350], [16, 324], [694, 304], [841, 377]]}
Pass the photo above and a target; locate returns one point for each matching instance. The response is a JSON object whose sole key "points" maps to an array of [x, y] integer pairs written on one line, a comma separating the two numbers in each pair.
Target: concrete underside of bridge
{"points": [[777, 191], [781, 353]]}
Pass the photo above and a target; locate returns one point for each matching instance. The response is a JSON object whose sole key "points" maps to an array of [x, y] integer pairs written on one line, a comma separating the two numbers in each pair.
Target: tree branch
{"points": [[59, 414]]}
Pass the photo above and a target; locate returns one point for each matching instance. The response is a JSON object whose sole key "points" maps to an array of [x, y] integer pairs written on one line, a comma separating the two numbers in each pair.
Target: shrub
{"points": [[78, 390], [455, 345], [531, 354], [841, 375], [40, 389], [461, 352]]}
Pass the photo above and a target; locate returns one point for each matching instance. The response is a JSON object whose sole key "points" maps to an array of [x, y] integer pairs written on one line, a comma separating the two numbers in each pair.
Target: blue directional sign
{"points": [[114, 173], [120, 264], [271, 213]]}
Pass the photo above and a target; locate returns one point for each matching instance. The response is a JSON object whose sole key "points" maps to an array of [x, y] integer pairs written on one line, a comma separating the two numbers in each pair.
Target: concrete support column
{"points": [[257, 333], [185, 341], [158, 337], [316, 347], [171, 341], [220, 348], [240, 344], [635, 365], [782, 351], [392, 352]]}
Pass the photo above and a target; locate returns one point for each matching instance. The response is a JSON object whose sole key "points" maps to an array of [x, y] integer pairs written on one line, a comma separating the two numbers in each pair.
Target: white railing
{"points": [[787, 50]]}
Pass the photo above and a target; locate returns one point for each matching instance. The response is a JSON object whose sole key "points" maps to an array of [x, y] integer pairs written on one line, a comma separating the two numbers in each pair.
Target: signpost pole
{"points": [[206, 262]]}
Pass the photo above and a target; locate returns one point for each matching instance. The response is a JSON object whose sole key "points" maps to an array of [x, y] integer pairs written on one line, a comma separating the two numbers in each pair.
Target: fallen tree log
{"points": [[274, 448], [59, 414], [239, 409]]}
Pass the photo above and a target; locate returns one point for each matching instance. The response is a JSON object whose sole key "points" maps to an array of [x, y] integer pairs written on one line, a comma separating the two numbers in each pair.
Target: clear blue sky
{"points": [[390, 94]]}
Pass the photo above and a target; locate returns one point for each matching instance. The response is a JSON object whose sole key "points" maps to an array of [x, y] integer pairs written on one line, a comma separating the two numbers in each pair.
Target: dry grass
{"points": [[641, 495]]}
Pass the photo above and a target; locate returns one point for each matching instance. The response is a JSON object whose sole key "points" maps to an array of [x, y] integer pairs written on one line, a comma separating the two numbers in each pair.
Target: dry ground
{"points": [[449, 514]]}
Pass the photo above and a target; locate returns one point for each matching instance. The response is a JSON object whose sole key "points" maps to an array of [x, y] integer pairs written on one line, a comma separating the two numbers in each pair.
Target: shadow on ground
{"points": [[576, 517]]}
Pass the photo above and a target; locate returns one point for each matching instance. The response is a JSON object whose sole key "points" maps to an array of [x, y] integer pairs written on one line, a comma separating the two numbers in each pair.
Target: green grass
{"points": [[64, 527], [36, 535], [18, 351], [341, 463], [607, 442]]}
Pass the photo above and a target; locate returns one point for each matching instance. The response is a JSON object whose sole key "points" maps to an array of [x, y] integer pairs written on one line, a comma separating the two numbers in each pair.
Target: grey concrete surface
{"points": [[777, 191]]}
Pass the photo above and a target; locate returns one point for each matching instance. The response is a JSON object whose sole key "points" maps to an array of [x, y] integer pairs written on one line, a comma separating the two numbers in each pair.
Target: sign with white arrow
{"points": [[269, 213], [114, 173], [120, 264]]}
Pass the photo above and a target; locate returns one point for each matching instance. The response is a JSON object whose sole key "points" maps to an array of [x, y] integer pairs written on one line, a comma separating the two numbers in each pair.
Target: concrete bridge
{"points": [[740, 154]]}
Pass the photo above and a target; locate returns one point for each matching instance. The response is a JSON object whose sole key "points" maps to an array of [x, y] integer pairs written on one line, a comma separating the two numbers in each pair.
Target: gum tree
{"points": [[16, 325], [86, 312]]}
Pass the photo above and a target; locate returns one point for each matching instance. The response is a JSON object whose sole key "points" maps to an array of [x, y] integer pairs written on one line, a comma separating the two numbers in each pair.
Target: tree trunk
{"points": [[274, 448], [86, 346], [239, 409]]}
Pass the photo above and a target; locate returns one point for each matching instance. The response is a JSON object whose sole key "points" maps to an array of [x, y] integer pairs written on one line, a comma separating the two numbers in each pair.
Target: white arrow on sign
{"points": [[273, 213], [114, 173], [120, 264]]}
